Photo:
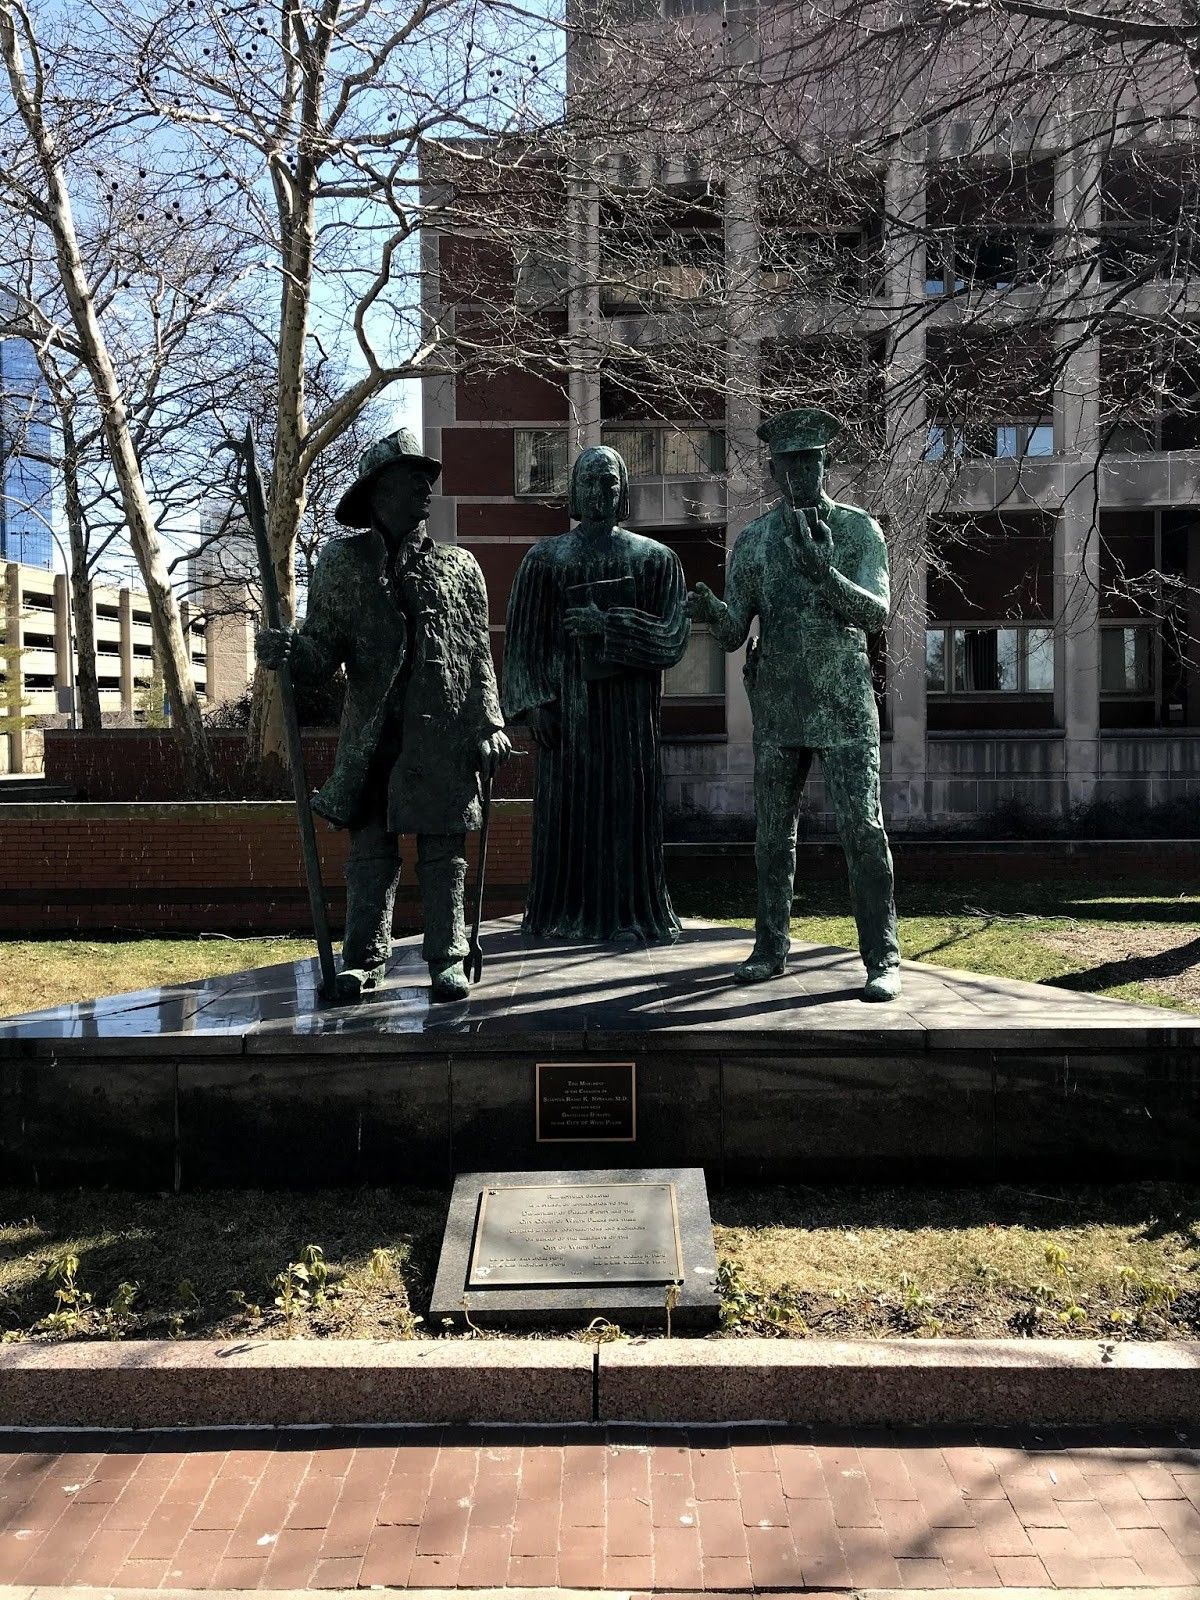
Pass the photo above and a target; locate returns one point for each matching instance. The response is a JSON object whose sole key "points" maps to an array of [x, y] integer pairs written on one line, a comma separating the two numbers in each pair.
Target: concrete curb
{"points": [[49, 1592], [281, 1382], [883, 1382], [277, 1382]]}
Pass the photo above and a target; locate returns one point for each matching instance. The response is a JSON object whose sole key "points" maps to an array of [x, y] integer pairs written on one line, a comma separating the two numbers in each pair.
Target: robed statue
{"points": [[594, 617]]}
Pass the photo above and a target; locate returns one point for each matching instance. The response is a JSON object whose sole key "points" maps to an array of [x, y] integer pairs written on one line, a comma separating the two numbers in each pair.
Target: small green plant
{"points": [[744, 1308], [119, 1310], [313, 1258], [382, 1264], [71, 1302], [1071, 1313], [914, 1297], [1153, 1296], [250, 1307], [294, 1295]]}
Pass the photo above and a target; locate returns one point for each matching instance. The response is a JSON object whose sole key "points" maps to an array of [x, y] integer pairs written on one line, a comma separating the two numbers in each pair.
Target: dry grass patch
{"points": [[1118, 1262]]}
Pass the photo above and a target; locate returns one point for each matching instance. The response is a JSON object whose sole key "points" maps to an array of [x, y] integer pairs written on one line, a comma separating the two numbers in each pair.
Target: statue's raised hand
{"points": [[273, 646], [703, 605], [812, 540]]}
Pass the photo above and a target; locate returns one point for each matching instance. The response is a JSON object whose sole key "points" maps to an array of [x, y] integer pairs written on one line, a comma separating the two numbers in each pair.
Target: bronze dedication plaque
{"points": [[593, 1102], [536, 1235]]}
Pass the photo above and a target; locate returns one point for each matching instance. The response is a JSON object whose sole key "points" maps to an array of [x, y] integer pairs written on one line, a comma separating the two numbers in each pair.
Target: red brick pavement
{"points": [[664, 1509]]}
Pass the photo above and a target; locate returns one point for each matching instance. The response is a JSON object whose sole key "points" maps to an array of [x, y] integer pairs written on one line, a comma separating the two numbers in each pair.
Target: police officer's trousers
{"points": [[851, 774]]}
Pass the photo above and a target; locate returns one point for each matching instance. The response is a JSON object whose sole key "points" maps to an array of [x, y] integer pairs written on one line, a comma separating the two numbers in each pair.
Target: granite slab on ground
{"points": [[545, 1263]]}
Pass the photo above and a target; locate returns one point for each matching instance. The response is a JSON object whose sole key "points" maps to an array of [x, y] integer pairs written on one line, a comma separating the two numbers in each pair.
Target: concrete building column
{"points": [[14, 681], [1077, 532], [64, 641], [125, 644], [906, 489]]}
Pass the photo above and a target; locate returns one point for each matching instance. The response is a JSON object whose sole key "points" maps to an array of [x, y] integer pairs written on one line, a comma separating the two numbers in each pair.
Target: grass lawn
{"points": [[35, 973], [1117, 1262], [1141, 945]]}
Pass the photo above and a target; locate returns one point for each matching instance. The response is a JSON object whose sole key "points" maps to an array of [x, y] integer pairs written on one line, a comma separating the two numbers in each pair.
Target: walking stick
{"points": [[473, 961], [256, 509]]}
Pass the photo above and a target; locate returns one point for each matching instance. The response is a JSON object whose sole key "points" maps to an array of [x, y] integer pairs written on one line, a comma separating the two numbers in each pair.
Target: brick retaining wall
{"points": [[232, 866], [145, 764]]}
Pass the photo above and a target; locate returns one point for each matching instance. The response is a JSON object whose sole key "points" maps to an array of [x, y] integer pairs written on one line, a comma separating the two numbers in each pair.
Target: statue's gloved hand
{"points": [[703, 605], [545, 726], [493, 750], [812, 541], [273, 646], [584, 622]]}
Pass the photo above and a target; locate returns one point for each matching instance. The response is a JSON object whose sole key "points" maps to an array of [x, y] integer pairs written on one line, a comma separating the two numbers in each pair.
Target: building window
{"points": [[1127, 660], [987, 258], [992, 660], [541, 462], [668, 452], [981, 441], [1025, 438], [701, 673], [945, 442]]}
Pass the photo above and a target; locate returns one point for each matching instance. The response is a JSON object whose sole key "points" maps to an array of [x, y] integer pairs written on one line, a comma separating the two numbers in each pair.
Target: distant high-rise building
{"points": [[25, 443]]}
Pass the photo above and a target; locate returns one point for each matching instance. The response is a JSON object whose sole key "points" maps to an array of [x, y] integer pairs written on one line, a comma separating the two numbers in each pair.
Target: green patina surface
{"points": [[814, 574]]}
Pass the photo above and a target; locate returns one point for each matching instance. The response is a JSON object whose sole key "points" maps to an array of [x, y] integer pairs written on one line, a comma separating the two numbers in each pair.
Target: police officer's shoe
{"points": [[449, 983], [883, 984], [352, 983], [757, 969]]}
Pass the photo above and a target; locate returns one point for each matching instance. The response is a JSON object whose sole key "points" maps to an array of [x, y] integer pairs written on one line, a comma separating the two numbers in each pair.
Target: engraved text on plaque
{"points": [[576, 1233]]}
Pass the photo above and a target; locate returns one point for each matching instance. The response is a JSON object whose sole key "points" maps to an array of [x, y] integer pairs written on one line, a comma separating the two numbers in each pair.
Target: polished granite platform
{"points": [[250, 1078]]}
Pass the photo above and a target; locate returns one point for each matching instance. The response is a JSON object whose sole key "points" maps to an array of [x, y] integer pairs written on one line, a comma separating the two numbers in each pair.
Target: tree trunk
{"points": [[139, 515], [81, 584], [267, 751]]}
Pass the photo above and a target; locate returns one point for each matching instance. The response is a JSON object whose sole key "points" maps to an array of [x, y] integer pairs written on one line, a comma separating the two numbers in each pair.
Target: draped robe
{"points": [[597, 810]]}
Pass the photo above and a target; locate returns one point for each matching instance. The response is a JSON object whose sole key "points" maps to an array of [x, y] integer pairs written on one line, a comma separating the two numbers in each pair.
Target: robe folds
{"points": [[597, 812]]}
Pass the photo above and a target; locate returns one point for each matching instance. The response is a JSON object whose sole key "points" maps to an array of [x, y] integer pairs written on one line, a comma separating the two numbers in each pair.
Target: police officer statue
{"points": [[815, 574], [408, 619]]}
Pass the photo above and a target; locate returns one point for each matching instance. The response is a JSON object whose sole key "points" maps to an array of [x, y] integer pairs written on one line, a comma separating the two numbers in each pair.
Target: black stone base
{"points": [[696, 1302], [248, 1080]]}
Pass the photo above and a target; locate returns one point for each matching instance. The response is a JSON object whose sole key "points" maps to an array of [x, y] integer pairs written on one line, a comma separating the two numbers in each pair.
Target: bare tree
{"points": [[45, 128]]}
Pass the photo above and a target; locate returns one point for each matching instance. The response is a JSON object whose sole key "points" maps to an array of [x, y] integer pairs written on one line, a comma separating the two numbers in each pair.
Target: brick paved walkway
{"points": [[589, 1508]]}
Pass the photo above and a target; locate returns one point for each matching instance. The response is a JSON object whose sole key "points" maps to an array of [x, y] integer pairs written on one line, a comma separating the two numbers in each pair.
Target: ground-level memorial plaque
{"points": [[564, 1247]]}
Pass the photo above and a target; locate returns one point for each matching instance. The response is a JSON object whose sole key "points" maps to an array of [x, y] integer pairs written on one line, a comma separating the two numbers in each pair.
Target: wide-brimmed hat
{"points": [[353, 509], [808, 428]]}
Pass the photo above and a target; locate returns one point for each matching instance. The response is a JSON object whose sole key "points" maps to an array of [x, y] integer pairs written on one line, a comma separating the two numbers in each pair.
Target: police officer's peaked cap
{"points": [[353, 509], [809, 428]]}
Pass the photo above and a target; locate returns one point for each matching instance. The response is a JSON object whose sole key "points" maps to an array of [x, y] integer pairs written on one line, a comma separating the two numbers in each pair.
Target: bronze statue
{"points": [[815, 574], [594, 617], [408, 618]]}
